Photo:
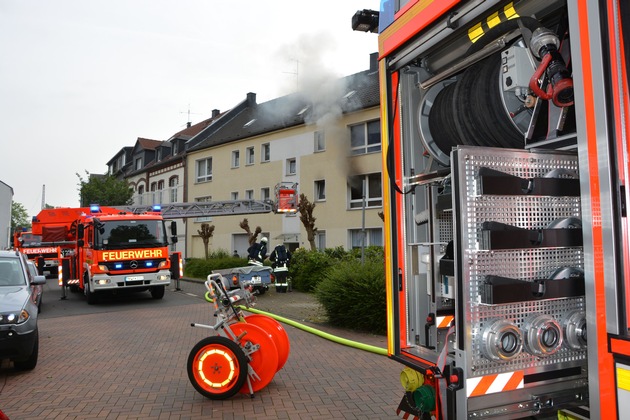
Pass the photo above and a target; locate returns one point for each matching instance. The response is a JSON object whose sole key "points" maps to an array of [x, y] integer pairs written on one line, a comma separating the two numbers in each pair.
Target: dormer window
{"points": [[349, 94]]}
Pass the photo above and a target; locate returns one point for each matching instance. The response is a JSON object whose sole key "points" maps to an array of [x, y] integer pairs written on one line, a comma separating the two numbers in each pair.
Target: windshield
{"points": [[28, 239], [121, 234], [11, 273]]}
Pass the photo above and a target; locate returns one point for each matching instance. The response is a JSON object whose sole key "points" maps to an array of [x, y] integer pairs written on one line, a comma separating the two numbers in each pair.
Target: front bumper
{"points": [[127, 281], [17, 341]]}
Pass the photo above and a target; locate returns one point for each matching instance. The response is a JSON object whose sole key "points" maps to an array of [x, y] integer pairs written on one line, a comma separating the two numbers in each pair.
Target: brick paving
{"points": [[131, 364]]}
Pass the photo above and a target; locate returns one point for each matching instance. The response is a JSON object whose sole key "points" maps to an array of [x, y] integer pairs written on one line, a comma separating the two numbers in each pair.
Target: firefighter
{"points": [[257, 252], [280, 257]]}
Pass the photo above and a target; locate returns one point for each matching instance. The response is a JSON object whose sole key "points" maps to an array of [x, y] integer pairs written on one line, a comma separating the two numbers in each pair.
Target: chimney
{"points": [[251, 99], [188, 124], [215, 113], [374, 61]]}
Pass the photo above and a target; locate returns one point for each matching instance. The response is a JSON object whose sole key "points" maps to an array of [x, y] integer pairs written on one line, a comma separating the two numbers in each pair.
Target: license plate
{"points": [[134, 278], [256, 280]]}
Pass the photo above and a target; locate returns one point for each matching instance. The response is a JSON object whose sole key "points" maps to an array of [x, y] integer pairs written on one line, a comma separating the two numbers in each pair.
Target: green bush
{"points": [[306, 268], [353, 294]]}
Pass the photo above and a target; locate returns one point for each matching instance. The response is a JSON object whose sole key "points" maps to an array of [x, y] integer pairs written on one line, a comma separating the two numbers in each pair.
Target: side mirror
{"points": [[80, 232], [39, 280], [173, 228]]}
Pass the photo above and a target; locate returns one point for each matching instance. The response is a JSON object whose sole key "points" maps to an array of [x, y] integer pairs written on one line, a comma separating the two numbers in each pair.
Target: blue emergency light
{"points": [[118, 266], [95, 208], [157, 208]]}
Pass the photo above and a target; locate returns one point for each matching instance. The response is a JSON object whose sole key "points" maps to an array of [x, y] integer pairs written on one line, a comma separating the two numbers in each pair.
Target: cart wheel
{"points": [[264, 361], [217, 367], [277, 333]]}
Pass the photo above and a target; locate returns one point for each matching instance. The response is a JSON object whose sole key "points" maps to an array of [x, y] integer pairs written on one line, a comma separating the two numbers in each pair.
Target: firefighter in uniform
{"points": [[280, 257], [257, 252]]}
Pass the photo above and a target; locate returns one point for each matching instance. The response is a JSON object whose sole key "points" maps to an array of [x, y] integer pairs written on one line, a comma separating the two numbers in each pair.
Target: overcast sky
{"points": [[81, 79]]}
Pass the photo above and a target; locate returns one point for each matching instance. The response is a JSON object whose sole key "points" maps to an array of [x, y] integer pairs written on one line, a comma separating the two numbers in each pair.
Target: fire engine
{"points": [[505, 162], [43, 249], [112, 250]]}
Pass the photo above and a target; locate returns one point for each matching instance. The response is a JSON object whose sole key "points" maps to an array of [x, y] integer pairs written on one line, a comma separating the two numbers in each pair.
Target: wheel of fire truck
{"points": [[277, 333], [90, 296], [217, 367], [264, 360], [157, 292]]}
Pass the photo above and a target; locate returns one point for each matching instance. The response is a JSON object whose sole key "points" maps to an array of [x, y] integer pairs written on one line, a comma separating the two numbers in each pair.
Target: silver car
{"points": [[19, 340], [38, 289]]}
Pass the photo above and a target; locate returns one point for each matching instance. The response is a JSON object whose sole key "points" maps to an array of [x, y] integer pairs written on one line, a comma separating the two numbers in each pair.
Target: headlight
{"points": [[163, 264], [14, 318]]}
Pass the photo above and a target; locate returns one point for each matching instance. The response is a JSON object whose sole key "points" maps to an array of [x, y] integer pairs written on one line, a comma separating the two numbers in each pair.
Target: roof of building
{"points": [[348, 94]]}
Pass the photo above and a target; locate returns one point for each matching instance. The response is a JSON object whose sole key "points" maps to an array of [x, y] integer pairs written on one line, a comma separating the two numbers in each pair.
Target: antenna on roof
{"points": [[296, 73], [188, 121]]}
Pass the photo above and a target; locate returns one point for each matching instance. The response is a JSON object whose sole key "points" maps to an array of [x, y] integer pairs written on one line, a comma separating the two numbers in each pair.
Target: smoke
{"points": [[315, 82]]}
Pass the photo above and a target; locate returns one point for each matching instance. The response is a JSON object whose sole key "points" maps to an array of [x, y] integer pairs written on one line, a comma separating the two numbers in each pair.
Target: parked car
{"points": [[38, 289], [19, 339]]}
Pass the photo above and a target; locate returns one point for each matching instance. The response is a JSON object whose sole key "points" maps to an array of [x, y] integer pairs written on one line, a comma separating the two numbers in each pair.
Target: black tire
{"points": [[157, 292], [229, 360], [31, 362], [261, 290], [89, 295]]}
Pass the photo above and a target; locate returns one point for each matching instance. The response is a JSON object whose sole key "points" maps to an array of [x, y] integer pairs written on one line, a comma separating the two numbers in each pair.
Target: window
{"points": [[373, 237], [204, 170], [236, 159], [172, 186], [234, 195], [320, 239], [249, 156], [141, 195], [291, 166], [320, 190], [373, 194], [153, 192], [175, 148], [205, 199], [365, 138], [265, 194], [138, 164], [320, 144], [249, 194], [265, 152], [160, 190]]}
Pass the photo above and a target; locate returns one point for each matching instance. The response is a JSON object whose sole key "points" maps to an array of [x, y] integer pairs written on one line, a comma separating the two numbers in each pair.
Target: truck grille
{"points": [[128, 265]]}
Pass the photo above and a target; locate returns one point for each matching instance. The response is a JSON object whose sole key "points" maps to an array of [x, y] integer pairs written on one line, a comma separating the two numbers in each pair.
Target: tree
{"points": [[19, 216], [206, 233], [251, 237], [105, 190], [306, 217]]}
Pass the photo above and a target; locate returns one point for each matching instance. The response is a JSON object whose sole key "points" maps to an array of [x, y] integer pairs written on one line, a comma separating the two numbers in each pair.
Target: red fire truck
{"points": [[505, 132], [109, 250]]}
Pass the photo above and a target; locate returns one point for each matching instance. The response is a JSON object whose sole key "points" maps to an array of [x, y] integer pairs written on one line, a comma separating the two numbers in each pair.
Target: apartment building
{"points": [[327, 142]]}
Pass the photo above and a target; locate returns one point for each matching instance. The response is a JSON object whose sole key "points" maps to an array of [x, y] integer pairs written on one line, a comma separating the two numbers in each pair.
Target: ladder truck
{"points": [[505, 133]]}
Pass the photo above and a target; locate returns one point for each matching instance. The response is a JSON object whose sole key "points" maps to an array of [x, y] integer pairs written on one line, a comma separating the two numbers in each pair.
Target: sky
{"points": [[81, 79]]}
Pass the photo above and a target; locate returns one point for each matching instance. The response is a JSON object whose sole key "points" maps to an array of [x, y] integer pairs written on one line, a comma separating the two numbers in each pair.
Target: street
{"points": [[125, 358]]}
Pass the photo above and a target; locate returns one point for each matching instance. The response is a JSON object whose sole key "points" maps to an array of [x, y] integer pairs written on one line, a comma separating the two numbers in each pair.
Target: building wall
{"points": [[334, 165], [6, 199], [164, 196]]}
